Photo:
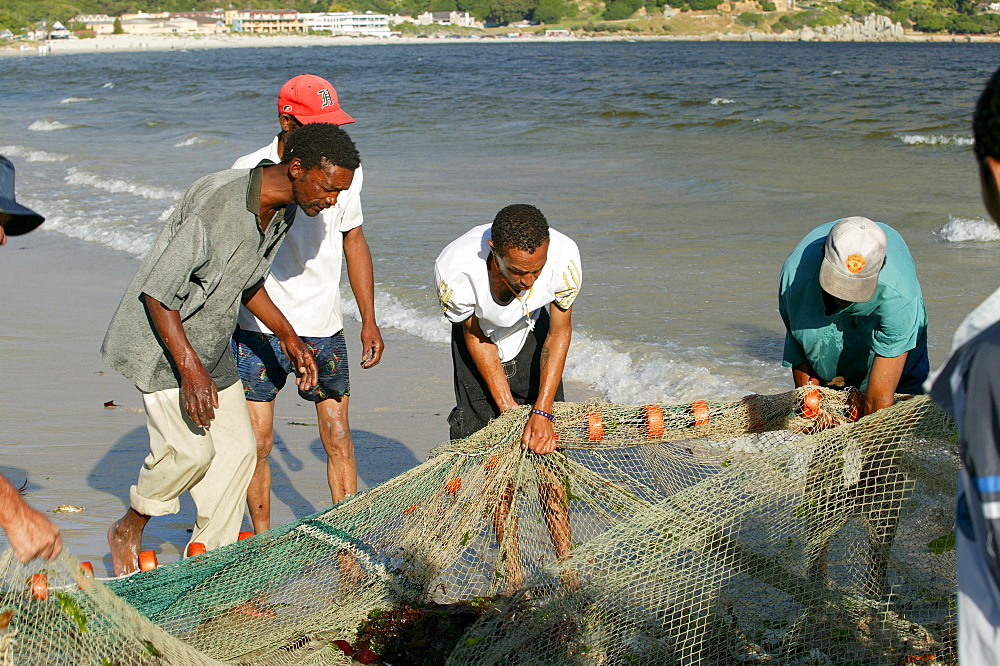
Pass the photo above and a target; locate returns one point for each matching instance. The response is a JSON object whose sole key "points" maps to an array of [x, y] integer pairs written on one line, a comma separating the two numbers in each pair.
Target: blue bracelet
{"points": [[550, 417]]}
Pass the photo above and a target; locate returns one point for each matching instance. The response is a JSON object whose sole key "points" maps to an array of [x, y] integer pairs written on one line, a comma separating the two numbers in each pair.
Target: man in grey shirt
{"points": [[967, 386], [171, 332]]}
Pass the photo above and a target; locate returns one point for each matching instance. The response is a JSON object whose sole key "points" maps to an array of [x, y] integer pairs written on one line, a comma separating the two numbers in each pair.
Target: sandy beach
{"points": [[57, 436], [126, 43]]}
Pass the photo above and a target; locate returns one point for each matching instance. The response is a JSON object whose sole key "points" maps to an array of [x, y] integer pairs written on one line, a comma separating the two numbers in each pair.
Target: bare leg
{"points": [[555, 506], [511, 558], [125, 539], [335, 433], [259, 492]]}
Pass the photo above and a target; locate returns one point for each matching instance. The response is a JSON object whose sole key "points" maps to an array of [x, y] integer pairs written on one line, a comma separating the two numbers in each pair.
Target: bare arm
{"points": [[30, 532], [882, 382], [803, 375], [539, 435], [362, 278], [487, 359], [261, 306], [198, 391]]}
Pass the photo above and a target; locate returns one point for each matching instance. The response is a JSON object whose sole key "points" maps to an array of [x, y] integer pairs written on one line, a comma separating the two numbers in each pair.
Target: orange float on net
{"points": [[410, 509], [811, 404], [246, 535], [196, 548], [494, 460], [39, 584], [84, 575], [147, 560], [699, 409], [654, 420], [595, 427], [454, 485]]}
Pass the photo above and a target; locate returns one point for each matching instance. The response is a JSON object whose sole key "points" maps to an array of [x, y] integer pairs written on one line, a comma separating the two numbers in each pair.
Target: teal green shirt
{"points": [[844, 343]]}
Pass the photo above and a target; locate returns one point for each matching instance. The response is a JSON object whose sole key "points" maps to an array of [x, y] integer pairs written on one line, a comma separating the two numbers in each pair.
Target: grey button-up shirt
{"points": [[210, 251]]}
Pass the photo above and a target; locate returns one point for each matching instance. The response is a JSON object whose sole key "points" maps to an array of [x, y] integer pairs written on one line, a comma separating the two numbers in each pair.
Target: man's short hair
{"points": [[986, 120], [520, 226], [316, 142]]}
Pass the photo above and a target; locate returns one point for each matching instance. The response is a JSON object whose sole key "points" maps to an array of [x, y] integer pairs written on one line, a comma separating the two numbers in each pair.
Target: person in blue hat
{"points": [[15, 219], [30, 532]]}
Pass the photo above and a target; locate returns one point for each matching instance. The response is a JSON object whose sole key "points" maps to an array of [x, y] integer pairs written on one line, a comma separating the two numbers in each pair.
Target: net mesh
{"points": [[771, 529]]}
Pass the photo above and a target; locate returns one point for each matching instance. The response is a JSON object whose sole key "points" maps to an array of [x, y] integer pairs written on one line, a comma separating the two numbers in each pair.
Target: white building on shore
{"points": [[463, 19], [349, 23]]}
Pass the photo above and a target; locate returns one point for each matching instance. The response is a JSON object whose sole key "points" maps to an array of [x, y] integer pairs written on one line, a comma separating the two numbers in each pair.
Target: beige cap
{"points": [[852, 258]]}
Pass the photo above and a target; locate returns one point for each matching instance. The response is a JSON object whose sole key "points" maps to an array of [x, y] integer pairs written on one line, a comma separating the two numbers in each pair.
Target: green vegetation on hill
{"points": [[931, 16]]}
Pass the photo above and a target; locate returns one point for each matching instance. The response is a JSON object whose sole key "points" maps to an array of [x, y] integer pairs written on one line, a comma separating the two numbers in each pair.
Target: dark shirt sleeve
{"points": [[173, 274], [980, 430]]}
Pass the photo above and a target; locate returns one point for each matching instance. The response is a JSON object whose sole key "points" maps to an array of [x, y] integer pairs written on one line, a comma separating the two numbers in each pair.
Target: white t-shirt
{"points": [[304, 281], [464, 288]]}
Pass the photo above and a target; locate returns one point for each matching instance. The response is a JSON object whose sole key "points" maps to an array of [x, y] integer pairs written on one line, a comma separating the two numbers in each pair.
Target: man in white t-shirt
{"points": [[304, 283], [508, 290]]}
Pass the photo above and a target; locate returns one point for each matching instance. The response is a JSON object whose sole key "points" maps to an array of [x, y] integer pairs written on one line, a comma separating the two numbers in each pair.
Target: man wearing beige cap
{"points": [[304, 283], [853, 312], [30, 533], [854, 316]]}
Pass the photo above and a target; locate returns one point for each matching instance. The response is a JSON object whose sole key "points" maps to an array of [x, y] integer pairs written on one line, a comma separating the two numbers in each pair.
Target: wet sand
{"points": [[56, 299]]}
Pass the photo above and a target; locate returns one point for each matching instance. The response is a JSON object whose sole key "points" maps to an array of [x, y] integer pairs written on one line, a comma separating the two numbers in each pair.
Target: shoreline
{"points": [[132, 43]]}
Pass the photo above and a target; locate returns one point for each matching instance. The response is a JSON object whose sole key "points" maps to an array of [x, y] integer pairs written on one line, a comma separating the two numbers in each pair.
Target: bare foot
{"points": [[350, 568], [125, 539], [255, 607]]}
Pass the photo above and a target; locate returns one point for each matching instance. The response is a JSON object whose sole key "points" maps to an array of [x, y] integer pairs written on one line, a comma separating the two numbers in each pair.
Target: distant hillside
{"points": [[642, 16]]}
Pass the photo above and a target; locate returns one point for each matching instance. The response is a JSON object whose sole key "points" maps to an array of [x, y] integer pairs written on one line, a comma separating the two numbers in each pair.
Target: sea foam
{"points": [[192, 140], [933, 140], [119, 186], [73, 221], [962, 230], [617, 375], [77, 100], [32, 154], [48, 126], [722, 100]]}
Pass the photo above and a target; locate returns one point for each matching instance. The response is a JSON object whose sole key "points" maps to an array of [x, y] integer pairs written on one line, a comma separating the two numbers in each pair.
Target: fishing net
{"points": [[771, 529]]}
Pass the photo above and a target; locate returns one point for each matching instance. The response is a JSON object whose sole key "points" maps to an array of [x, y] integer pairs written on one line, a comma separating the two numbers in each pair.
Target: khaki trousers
{"points": [[215, 464]]}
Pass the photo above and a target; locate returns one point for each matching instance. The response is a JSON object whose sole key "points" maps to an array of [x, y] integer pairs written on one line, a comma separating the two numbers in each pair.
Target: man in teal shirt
{"points": [[854, 316], [853, 311]]}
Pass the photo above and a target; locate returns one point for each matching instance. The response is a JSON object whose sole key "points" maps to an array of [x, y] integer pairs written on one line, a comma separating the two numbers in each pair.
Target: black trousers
{"points": [[474, 406]]}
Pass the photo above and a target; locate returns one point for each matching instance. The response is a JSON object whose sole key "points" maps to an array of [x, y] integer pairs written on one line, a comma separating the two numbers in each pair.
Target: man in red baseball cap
{"points": [[304, 283], [311, 99]]}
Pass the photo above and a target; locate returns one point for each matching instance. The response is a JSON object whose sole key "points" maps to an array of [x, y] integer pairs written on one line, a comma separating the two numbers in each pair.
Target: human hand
{"points": [[32, 534], [199, 395], [371, 346], [539, 435], [303, 362]]}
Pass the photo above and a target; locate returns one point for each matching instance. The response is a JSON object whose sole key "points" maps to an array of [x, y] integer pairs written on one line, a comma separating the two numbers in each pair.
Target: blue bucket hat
{"points": [[23, 219]]}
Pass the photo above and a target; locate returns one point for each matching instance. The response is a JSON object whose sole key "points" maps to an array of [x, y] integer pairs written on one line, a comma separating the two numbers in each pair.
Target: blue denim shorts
{"points": [[264, 368]]}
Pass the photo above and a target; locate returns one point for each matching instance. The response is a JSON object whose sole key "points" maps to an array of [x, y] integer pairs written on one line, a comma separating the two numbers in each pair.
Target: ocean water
{"points": [[686, 172]]}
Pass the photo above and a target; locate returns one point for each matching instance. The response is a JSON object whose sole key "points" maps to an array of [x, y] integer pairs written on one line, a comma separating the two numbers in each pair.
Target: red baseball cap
{"points": [[311, 99]]}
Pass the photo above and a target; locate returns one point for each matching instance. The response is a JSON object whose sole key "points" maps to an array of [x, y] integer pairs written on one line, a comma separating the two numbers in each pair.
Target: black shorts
{"points": [[475, 407]]}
